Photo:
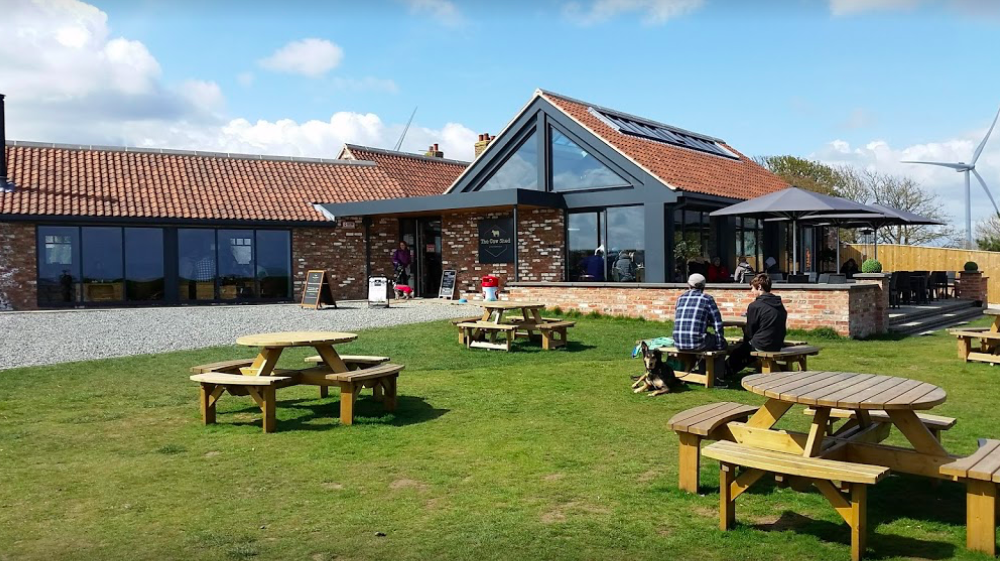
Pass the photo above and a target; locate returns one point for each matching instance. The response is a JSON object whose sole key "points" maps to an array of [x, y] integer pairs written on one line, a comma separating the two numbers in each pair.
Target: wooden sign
{"points": [[317, 291], [448, 278]]}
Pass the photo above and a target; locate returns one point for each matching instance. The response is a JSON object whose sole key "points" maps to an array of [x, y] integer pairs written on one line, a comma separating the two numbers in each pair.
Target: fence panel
{"points": [[919, 258]]}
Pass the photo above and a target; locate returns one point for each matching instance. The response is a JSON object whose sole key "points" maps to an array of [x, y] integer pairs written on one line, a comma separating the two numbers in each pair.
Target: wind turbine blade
{"points": [[959, 167], [987, 189], [985, 138]]}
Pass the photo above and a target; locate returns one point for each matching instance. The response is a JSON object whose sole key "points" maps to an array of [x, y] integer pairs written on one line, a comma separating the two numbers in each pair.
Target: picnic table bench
{"points": [[699, 423], [981, 474], [848, 496], [714, 364], [485, 332], [980, 344], [785, 359]]}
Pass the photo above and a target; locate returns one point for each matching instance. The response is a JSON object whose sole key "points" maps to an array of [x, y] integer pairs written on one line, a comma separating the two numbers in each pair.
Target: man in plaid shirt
{"points": [[694, 313]]}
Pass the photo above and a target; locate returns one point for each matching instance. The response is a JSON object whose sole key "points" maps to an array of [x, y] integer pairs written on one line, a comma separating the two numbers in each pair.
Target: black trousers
{"points": [[739, 356]]}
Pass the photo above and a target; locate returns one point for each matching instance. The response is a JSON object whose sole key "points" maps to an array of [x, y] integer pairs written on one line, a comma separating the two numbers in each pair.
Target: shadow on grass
{"points": [[410, 410], [881, 545]]}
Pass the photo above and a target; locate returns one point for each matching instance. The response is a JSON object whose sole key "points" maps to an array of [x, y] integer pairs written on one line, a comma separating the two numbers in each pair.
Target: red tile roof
{"points": [[55, 180], [681, 168], [417, 175]]}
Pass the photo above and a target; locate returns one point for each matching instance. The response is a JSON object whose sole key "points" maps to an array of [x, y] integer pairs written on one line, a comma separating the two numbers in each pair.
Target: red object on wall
{"points": [[490, 281]]}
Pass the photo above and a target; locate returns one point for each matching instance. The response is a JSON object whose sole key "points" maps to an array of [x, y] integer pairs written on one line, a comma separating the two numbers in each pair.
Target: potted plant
{"points": [[871, 266], [971, 267]]}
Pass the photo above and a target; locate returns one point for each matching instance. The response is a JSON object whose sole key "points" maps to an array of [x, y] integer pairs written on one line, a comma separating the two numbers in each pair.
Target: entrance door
{"points": [[423, 235]]}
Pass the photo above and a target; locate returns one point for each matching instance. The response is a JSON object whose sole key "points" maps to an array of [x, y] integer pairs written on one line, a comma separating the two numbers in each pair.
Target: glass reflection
{"points": [[103, 278], [58, 265], [575, 168], [520, 171], [274, 263], [196, 264], [144, 264]]}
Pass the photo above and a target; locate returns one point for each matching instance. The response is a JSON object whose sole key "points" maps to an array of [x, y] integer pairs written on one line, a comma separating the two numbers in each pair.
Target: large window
{"points": [[692, 243], [144, 280], [58, 265], [520, 171], [274, 263], [196, 263], [619, 235], [236, 265], [103, 263], [575, 168], [750, 242]]}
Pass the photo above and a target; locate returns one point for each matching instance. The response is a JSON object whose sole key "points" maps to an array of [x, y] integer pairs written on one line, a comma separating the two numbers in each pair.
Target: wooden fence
{"points": [[919, 258]]}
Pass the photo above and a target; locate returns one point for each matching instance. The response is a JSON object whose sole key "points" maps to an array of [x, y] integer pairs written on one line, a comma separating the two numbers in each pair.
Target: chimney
{"points": [[434, 152], [483, 142], [5, 186]]}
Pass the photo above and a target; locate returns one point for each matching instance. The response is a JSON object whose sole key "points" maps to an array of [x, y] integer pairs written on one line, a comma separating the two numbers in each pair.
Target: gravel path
{"points": [[33, 338]]}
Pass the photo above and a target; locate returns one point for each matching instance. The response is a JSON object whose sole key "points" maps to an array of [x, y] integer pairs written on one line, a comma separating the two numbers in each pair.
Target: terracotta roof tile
{"points": [[74, 181], [682, 168], [417, 175]]}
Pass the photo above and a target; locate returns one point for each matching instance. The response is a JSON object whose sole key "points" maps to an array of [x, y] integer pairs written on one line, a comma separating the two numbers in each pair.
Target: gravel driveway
{"points": [[33, 338]]}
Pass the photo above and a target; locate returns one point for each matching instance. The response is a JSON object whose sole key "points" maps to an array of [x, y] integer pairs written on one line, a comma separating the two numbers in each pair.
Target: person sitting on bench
{"points": [[694, 311], [765, 330]]}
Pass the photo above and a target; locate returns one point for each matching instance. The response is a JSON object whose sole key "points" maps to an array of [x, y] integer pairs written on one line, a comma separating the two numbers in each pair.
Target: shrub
{"points": [[971, 267], [871, 266]]}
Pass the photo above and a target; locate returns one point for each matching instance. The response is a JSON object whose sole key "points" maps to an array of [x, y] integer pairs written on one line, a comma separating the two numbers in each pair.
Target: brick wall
{"points": [[540, 244], [972, 286], [18, 266], [340, 250], [384, 242], [850, 310]]}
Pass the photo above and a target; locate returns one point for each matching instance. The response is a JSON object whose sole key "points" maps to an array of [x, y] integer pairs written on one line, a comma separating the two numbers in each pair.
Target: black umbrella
{"points": [[880, 215], [793, 204]]}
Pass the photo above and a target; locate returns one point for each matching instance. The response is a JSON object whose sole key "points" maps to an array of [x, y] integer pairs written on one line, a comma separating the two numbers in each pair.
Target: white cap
{"points": [[696, 281]]}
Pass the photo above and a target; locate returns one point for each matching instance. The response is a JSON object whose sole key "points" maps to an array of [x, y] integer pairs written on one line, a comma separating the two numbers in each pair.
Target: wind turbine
{"points": [[969, 168]]}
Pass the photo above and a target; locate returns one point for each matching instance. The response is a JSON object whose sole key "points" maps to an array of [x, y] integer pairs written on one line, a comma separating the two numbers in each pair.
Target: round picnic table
{"points": [[861, 394], [271, 345]]}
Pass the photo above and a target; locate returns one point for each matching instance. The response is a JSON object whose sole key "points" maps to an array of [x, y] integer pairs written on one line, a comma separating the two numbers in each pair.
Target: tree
{"points": [[988, 234], [800, 172]]}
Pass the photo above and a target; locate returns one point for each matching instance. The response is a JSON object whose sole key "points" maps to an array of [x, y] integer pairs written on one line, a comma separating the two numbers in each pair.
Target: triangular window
{"points": [[575, 168], [520, 171]]}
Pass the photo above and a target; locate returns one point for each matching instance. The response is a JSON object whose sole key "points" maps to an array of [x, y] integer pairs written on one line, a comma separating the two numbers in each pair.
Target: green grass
{"points": [[527, 455]]}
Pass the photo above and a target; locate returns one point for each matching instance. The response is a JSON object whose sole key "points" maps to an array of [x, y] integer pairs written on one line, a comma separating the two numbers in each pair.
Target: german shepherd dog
{"points": [[659, 376]]}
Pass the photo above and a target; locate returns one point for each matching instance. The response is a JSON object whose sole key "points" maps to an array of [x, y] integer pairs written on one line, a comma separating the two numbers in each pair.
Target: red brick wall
{"points": [[541, 235], [972, 286], [850, 311], [18, 266], [384, 242], [340, 250]]}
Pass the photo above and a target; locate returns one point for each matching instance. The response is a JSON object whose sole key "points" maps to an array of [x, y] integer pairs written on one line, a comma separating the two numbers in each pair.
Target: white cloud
{"points": [[443, 11], [850, 7], [308, 57], [948, 185], [69, 81], [654, 11]]}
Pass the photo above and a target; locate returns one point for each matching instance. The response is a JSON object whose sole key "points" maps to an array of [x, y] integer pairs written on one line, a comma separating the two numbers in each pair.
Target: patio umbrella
{"points": [[839, 221], [880, 215], [792, 204]]}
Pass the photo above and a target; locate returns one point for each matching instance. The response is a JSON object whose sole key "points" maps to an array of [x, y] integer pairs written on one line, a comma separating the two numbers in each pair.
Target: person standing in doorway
{"points": [[401, 260]]}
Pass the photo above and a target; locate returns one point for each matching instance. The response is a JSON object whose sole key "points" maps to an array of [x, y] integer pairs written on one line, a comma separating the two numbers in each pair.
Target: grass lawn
{"points": [[527, 455]]}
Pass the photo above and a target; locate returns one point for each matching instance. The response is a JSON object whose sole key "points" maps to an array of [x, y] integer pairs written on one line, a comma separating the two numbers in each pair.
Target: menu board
{"points": [[317, 291], [448, 278], [378, 291]]}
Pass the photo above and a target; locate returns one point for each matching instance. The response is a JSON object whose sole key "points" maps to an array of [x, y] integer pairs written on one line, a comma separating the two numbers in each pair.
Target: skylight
{"points": [[662, 133]]}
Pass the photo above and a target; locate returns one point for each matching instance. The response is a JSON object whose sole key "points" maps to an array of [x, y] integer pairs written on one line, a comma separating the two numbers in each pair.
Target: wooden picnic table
{"points": [[734, 321], [858, 439], [272, 344], [980, 344], [494, 311], [526, 321]]}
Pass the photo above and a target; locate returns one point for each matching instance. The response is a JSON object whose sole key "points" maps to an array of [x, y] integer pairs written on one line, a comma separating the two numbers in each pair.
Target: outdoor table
{"points": [[734, 322], [859, 439], [272, 344], [995, 312], [980, 344], [531, 312]]}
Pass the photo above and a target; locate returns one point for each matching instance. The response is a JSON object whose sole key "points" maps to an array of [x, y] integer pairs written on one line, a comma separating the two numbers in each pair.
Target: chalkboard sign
{"points": [[378, 291], [317, 291], [447, 289]]}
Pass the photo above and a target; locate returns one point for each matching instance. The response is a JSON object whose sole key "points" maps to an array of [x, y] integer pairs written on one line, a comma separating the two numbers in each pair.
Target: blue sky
{"points": [[843, 81]]}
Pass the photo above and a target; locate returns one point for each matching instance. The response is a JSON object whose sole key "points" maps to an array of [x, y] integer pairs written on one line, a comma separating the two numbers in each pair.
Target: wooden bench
{"points": [[986, 343], [849, 498], [228, 366], [380, 378], [554, 333], [715, 363], [461, 332], [261, 388], [785, 359], [694, 425], [934, 423], [981, 473], [353, 362], [473, 330]]}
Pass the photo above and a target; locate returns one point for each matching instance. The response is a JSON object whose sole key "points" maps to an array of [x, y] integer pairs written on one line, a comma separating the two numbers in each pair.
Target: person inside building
{"points": [[593, 266], [625, 267], [694, 314], [766, 325], [849, 268], [771, 266], [717, 272], [744, 272], [401, 260]]}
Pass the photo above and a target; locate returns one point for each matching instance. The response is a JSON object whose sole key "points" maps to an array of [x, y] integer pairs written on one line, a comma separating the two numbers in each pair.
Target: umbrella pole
{"points": [[875, 239], [836, 265], [795, 247]]}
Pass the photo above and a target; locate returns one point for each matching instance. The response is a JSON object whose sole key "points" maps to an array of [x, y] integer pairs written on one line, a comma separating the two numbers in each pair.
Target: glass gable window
{"points": [[58, 265], [520, 171], [574, 168]]}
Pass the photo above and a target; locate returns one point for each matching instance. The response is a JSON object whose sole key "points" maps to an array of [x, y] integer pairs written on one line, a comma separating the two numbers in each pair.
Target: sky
{"points": [[861, 82]]}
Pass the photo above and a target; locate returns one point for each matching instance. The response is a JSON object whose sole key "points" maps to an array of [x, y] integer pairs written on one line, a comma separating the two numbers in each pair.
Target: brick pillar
{"points": [[882, 305], [972, 286]]}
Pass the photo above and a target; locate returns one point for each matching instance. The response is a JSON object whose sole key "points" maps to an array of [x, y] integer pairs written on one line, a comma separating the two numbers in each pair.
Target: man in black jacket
{"points": [[765, 330]]}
